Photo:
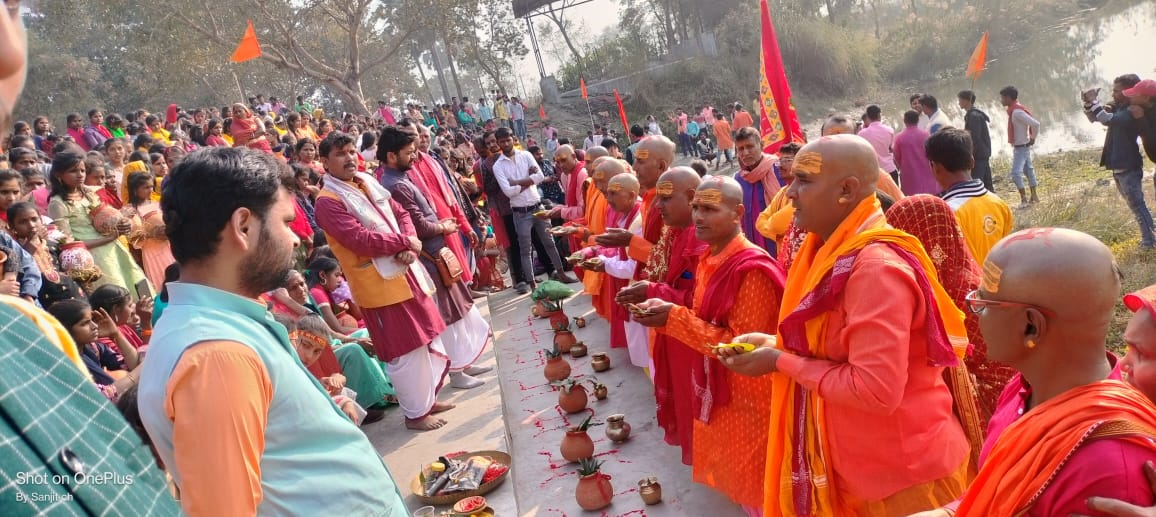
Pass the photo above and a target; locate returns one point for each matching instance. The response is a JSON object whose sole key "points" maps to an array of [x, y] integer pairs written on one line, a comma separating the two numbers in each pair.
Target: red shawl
{"points": [[717, 301], [1011, 130], [651, 227], [430, 178]]}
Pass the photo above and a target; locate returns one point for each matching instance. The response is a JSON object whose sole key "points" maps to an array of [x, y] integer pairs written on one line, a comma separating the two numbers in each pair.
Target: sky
{"points": [[597, 15]]}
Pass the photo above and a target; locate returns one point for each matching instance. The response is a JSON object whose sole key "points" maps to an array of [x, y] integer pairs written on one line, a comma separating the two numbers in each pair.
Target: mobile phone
{"points": [[142, 290]]}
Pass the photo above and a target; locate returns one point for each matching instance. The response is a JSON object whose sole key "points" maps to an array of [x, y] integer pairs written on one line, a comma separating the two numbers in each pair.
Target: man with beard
{"points": [[467, 332], [738, 288], [365, 225], [236, 418], [670, 273], [760, 180]]}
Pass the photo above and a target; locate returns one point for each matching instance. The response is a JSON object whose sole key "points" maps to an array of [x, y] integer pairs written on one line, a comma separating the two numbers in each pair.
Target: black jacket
{"points": [[975, 121]]}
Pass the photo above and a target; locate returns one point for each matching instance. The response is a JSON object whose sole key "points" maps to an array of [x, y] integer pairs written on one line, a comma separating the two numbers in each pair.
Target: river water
{"points": [[1050, 71]]}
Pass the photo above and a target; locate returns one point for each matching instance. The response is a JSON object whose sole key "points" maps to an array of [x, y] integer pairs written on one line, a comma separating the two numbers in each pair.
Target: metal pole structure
{"points": [[537, 51]]}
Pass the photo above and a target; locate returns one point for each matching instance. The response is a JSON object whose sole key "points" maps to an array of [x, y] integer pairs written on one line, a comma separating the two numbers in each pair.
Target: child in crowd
{"points": [[307, 335], [29, 231], [325, 278], [113, 370], [128, 315], [35, 187]]}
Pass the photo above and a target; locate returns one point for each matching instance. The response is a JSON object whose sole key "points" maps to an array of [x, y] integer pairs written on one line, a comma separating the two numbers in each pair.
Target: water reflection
{"points": [[1050, 71]]}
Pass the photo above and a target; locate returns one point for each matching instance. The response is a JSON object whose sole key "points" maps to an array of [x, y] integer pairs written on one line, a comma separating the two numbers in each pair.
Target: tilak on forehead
{"points": [[664, 188], [599, 174], [642, 153], [809, 162], [614, 187], [991, 277], [710, 196]]}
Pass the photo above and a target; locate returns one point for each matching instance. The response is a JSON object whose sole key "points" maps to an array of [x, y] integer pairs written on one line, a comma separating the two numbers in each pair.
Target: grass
{"points": [[1078, 194]]}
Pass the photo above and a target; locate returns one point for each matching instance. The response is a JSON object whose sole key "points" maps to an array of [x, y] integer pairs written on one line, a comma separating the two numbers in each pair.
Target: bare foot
{"points": [[428, 423], [441, 407]]}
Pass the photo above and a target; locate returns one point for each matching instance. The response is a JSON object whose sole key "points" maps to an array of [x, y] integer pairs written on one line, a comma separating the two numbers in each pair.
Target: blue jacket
{"points": [[1121, 152]]}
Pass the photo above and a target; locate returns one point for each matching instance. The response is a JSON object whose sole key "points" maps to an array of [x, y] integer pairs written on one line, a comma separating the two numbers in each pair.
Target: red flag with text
{"points": [[582, 82], [778, 122], [248, 48], [622, 112]]}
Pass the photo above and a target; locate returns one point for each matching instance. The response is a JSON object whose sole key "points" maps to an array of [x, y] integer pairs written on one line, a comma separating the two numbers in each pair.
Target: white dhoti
{"points": [[417, 376], [638, 344], [466, 339]]}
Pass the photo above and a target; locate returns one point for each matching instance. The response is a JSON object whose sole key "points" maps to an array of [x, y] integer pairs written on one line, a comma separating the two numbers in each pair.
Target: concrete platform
{"points": [[517, 411]]}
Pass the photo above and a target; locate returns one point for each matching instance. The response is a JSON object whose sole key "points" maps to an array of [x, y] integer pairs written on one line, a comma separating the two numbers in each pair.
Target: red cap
{"points": [[1142, 299], [1146, 87]]}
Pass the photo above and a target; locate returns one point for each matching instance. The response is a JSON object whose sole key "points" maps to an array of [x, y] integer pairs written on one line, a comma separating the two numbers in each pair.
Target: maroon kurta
{"points": [[395, 329]]}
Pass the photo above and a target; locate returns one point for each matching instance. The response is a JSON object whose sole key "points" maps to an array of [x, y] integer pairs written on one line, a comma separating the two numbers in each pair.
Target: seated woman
{"points": [[308, 335], [29, 231], [128, 315], [114, 370], [324, 278], [351, 355]]}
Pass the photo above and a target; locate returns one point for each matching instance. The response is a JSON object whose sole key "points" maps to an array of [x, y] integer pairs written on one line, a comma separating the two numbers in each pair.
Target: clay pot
{"points": [[558, 319], [617, 428], [578, 349], [650, 490], [564, 339], [557, 369], [600, 392], [75, 256], [600, 362], [579, 322], [577, 445], [536, 311], [594, 492], [574, 401], [539, 309]]}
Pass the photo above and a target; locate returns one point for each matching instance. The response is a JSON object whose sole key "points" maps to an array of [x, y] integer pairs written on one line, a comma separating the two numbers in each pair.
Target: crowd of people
{"points": [[248, 285]]}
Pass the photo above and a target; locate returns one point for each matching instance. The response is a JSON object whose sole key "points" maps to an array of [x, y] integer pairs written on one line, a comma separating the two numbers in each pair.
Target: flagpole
{"points": [[239, 89], [591, 113]]}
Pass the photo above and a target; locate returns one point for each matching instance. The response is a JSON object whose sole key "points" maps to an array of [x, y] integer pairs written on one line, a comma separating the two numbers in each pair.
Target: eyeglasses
{"points": [[977, 305]]}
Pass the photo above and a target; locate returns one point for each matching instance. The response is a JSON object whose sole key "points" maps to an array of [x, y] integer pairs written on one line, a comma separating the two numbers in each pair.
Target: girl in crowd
{"points": [[306, 154], [142, 142], [214, 138], [368, 147], [324, 277], [27, 228], [115, 124], [129, 316], [115, 152], [41, 129], [324, 128], [97, 179], [300, 127], [304, 191], [309, 348], [159, 165], [81, 216], [148, 227], [34, 188], [9, 194], [114, 370]]}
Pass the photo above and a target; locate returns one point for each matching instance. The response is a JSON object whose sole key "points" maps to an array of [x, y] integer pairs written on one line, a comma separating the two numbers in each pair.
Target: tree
{"points": [[497, 41], [558, 16], [355, 37]]}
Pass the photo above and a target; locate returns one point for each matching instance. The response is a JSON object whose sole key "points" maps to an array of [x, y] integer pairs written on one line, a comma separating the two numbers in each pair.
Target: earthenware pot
{"points": [[577, 445], [557, 369], [564, 339], [572, 400], [594, 492]]}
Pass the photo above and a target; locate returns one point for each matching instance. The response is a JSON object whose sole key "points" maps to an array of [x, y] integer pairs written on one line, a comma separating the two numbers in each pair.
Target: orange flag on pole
{"points": [[778, 122], [978, 61], [622, 112], [248, 48], [582, 82], [542, 111]]}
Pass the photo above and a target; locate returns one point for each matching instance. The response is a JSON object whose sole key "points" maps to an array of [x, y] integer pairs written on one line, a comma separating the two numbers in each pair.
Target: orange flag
{"points": [[622, 112], [248, 48], [542, 111], [582, 82], [778, 122], [978, 61]]}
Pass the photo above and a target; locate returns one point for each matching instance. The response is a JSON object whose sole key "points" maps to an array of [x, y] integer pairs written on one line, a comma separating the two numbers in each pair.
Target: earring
{"points": [[1031, 344]]}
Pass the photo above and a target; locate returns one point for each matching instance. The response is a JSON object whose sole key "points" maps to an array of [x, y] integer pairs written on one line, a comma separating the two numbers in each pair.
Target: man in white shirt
{"points": [[1022, 137], [936, 120], [518, 116], [924, 121], [517, 174], [881, 137]]}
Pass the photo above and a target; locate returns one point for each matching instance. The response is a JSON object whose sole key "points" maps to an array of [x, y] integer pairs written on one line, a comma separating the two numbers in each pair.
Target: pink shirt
{"points": [[888, 414], [881, 136], [1102, 468]]}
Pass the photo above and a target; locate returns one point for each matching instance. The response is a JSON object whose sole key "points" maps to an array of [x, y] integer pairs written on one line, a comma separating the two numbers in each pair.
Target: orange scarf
{"points": [[596, 223], [800, 483], [1034, 448]]}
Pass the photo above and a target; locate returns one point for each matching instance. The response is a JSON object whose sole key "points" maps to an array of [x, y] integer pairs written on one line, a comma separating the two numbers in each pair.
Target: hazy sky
{"points": [[596, 17]]}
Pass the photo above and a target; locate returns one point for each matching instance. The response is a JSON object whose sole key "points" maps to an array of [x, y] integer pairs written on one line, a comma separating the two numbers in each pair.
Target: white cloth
{"points": [[924, 121], [637, 336], [417, 376], [377, 215], [937, 121], [638, 344], [466, 339], [521, 166]]}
